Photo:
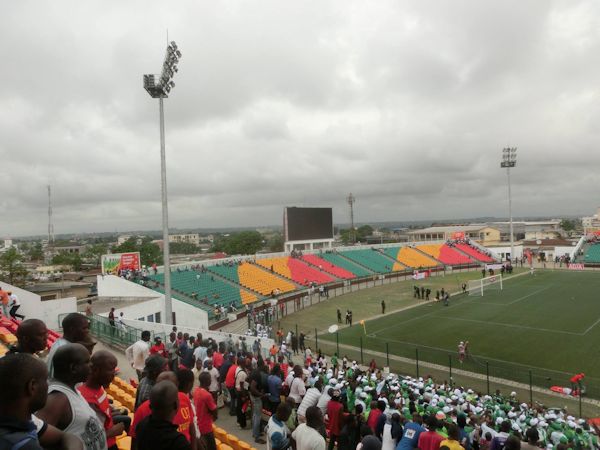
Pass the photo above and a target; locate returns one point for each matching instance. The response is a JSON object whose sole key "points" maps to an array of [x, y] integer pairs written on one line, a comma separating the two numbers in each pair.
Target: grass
{"points": [[548, 324]]}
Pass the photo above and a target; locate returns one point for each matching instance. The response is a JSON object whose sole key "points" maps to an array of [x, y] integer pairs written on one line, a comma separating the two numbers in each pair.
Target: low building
{"points": [[61, 289], [193, 238], [480, 233]]}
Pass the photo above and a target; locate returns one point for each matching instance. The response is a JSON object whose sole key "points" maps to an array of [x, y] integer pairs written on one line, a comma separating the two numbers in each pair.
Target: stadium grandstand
{"points": [[372, 260], [445, 254], [410, 257], [326, 266], [253, 277], [296, 270], [206, 288]]}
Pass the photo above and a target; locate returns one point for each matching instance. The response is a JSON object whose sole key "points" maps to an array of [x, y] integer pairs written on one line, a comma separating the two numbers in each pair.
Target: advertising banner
{"points": [[458, 235], [577, 266], [114, 263]]}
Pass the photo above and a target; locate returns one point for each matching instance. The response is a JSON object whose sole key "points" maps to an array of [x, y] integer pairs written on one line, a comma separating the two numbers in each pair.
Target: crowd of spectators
{"points": [[293, 398]]}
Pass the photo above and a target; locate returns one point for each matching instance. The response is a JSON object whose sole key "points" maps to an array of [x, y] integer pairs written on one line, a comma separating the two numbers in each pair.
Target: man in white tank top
{"points": [[66, 408]]}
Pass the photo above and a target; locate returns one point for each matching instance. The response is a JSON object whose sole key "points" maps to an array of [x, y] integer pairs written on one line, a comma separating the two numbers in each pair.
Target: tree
{"points": [[183, 248], [568, 225], [35, 252], [12, 269], [68, 259], [244, 243], [275, 243], [94, 253]]}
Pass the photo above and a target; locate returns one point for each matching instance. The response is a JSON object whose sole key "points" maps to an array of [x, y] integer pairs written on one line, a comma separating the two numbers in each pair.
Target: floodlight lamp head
{"points": [[172, 84], [167, 88], [178, 53], [173, 45], [175, 69]]}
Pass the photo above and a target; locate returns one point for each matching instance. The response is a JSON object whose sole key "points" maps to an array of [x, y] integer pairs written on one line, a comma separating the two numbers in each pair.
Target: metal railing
{"points": [[103, 330]]}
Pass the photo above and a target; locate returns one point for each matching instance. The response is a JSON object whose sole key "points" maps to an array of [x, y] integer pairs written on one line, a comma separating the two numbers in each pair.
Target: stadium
{"points": [[337, 262]]}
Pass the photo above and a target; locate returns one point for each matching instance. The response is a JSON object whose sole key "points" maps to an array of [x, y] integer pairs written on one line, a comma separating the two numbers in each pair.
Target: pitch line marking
{"points": [[588, 329], [510, 325]]}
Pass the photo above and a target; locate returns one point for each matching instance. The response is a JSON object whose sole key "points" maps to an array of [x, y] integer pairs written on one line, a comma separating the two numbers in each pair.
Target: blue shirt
{"points": [[274, 385], [410, 436]]}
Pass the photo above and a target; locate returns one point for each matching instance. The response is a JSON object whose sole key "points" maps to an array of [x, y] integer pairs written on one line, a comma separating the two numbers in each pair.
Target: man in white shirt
{"points": [[138, 352], [307, 436], [215, 386], [311, 398], [15, 304], [297, 388]]}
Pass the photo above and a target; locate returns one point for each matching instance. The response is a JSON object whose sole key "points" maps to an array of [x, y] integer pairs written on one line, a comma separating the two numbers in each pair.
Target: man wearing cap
{"points": [[155, 364]]}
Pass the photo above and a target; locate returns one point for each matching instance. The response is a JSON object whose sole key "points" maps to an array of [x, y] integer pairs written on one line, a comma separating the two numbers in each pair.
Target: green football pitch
{"points": [[548, 323]]}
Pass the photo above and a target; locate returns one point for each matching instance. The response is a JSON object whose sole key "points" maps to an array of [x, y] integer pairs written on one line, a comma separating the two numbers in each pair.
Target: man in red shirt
{"points": [[184, 419], [158, 348], [206, 410], [102, 374], [334, 413], [377, 408], [430, 439]]}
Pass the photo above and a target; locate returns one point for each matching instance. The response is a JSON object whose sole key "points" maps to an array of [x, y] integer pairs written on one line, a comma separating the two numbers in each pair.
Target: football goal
{"points": [[479, 287]]}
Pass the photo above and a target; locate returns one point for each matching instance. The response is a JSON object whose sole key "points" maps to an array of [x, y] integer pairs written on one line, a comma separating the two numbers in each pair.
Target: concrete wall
{"points": [[114, 286], [33, 308], [111, 286]]}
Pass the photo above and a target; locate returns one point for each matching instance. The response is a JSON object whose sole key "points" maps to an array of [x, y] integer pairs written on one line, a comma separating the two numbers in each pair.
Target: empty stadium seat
{"points": [[295, 269], [253, 277], [445, 254], [474, 252], [328, 267], [373, 260], [592, 255], [346, 264], [411, 257]]}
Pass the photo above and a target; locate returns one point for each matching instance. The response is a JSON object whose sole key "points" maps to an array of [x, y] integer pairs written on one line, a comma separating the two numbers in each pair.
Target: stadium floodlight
{"points": [[159, 86], [509, 160]]}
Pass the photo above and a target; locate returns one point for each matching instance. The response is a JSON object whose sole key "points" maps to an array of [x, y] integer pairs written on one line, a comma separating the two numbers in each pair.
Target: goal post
{"points": [[479, 287]]}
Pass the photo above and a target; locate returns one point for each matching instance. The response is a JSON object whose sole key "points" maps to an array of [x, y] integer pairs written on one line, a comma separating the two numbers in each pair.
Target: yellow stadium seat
{"points": [[124, 443], [232, 441]]}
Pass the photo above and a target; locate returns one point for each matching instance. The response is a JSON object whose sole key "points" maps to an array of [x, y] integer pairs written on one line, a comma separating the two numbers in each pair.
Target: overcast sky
{"points": [[406, 104]]}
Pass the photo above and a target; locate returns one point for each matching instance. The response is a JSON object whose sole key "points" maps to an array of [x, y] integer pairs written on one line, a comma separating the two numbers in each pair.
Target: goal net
{"points": [[479, 287]]}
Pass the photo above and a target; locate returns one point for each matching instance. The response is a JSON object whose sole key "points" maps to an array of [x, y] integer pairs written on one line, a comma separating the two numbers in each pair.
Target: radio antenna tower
{"points": [[351, 199], [50, 224]]}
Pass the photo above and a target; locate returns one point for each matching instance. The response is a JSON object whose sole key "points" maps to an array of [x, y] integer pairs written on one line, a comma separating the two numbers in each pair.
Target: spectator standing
{"points": [[206, 410], [184, 419], [137, 353], [76, 328], [453, 437], [65, 408], [430, 439], [307, 435], [335, 412], [93, 391], [171, 348], [158, 348], [155, 364], [274, 385], [88, 309], [215, 385], [311, 398], [4, 298], [411, 433], [297, 387], [277, 431], [157, 431]]}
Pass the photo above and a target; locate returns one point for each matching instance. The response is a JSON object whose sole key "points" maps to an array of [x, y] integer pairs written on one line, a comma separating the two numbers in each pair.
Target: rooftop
{"points": [[56, 285], [443, 229]]}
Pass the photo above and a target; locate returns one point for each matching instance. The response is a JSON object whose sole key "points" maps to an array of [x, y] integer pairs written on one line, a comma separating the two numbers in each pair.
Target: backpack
{"points": [[10, 440]]}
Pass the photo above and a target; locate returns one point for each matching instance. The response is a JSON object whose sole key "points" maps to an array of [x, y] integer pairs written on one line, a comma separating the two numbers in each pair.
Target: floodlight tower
{"points": [[351, 199], [159, 86], [509, 160]]}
